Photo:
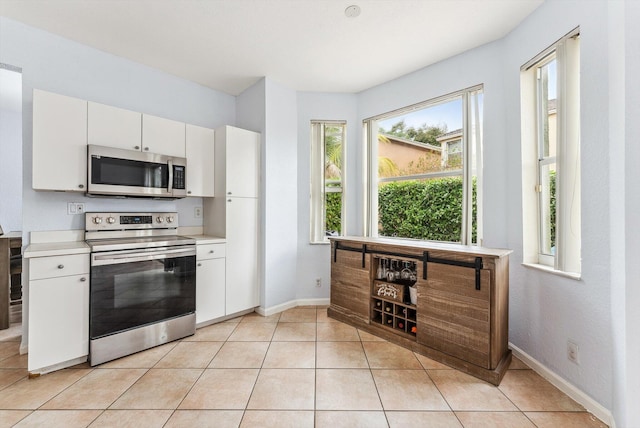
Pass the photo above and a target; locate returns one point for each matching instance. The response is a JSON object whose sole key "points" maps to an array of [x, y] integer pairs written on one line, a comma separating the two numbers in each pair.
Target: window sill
{"points": [[549, 269], [320, 243]]}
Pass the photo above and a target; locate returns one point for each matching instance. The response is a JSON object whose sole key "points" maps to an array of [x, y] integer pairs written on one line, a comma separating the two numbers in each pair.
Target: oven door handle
{"points": [[112, 258], [170, 189]]}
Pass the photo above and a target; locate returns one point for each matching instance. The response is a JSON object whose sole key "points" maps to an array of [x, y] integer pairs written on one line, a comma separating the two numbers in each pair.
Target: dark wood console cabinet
{"points": [[460, 313]]}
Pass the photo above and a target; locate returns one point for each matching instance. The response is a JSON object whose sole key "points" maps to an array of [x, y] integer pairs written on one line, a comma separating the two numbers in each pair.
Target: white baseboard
{"points": [[563, 385], [291, 304]]}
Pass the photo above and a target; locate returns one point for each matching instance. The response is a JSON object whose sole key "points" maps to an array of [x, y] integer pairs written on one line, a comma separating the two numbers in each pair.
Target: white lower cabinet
{"points": [[210, 282], [58, 312]]}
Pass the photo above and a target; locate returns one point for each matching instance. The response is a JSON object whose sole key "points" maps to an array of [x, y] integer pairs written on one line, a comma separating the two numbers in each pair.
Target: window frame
{"points": [[469, 155], [318, 183], [566, 258]]}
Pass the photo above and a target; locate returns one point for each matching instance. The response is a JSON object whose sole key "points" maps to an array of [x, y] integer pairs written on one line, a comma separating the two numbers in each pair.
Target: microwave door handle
{"points": [[170, 188]]}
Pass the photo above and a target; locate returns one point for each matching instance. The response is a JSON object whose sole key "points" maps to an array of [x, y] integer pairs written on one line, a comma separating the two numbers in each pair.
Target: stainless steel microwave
{"points": [[119, 172]]}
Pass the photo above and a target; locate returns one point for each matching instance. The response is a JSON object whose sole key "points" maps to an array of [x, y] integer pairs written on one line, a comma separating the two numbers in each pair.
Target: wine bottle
{"points": [[378, 304], [388, 308], [400, 325], [380, 272], [390, 321]]}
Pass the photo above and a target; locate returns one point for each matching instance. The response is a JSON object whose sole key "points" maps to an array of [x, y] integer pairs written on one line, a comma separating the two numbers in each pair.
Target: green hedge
{"points": [[415, 209], [334, 210], [423, 209]]}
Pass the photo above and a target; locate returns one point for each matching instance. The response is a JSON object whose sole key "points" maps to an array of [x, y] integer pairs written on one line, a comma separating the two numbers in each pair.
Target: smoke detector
{"points": [[352, 11]]}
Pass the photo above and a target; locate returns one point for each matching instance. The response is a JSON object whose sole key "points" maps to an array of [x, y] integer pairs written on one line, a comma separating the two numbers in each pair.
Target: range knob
{"points": [[160, 219], [111, 220], [97, 220], [170, 219]]}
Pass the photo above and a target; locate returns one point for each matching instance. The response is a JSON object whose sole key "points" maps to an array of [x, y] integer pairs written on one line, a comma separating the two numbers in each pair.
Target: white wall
{"points": [[270, 108], [59, 65], [10, 170], [626, 409], [313, 259], [547, 310], [617, 96], [281, 184]]}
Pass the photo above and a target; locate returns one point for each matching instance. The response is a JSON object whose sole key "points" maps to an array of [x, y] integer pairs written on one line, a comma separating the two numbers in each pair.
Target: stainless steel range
{"points": [[143, 283]]}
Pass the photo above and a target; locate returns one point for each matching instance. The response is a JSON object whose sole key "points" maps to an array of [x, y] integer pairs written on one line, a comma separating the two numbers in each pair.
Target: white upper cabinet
{"points": [[200, 159], [238, 152], [59, 142], [163, 136], [114, 127]]}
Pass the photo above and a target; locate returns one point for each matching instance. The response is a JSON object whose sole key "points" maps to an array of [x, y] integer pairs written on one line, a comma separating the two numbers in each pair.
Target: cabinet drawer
{"points": [[210, 251], [51, 267]]}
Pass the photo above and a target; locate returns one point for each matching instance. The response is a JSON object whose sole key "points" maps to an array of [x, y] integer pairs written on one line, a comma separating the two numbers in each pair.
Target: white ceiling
{"points": [[307, 45]]}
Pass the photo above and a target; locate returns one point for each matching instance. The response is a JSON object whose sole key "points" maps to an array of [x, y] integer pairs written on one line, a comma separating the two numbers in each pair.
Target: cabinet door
{"points": [[58, 320], [210, 289], [243, 162], [351, 283], [114, 127], [163, 136], [242, 254], [200, 160], [454, 317], [59, 142]]}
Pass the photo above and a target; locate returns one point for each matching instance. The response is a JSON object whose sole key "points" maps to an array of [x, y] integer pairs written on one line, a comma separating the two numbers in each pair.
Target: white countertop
{"points": [[207, 239], [46, 249], [56, 249], [426, 245]]}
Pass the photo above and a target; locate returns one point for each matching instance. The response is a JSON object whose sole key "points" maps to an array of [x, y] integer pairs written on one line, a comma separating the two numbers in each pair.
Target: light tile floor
{"points": [[294, 369]]}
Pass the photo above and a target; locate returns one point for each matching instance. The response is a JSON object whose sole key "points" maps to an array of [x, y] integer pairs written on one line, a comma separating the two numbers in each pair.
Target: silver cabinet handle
{"points": [[136, 147], [83, 279], [199, 264], [81, 186], [211, 251], [228, 200], [146, 149], [60, 266], [188, 192]]}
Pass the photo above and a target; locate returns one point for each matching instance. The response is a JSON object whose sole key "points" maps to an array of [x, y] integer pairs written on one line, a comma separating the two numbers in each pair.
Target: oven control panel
{"points": [[96, 221]]}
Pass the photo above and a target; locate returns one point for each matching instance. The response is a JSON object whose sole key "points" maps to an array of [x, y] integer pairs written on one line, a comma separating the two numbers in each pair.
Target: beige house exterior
{"points": [[410, 157]]}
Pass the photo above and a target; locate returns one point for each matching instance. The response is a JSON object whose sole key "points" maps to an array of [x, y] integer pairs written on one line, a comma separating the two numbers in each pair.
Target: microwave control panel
{"points": [[179, 177]]}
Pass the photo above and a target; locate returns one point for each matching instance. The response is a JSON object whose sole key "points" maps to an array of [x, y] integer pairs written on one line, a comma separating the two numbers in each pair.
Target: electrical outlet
{"points": [[572, 352], [80, 208], [318, 282], [72, 208], [197, 212]]}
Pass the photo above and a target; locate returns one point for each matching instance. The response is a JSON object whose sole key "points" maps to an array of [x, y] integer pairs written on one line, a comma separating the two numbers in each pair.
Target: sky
{"points": [[449, 113]]}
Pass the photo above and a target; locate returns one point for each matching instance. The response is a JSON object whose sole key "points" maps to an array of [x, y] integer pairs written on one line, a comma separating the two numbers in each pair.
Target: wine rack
{"points": [[391, 305], [396, 316]]}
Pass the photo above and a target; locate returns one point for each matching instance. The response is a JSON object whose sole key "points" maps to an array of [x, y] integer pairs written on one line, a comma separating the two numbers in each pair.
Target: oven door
{"points": [[134, 288]]}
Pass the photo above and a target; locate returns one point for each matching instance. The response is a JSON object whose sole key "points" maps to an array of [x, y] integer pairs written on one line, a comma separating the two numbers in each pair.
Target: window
{"points": [[424, 170], [328, 145], [550, 85]]}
